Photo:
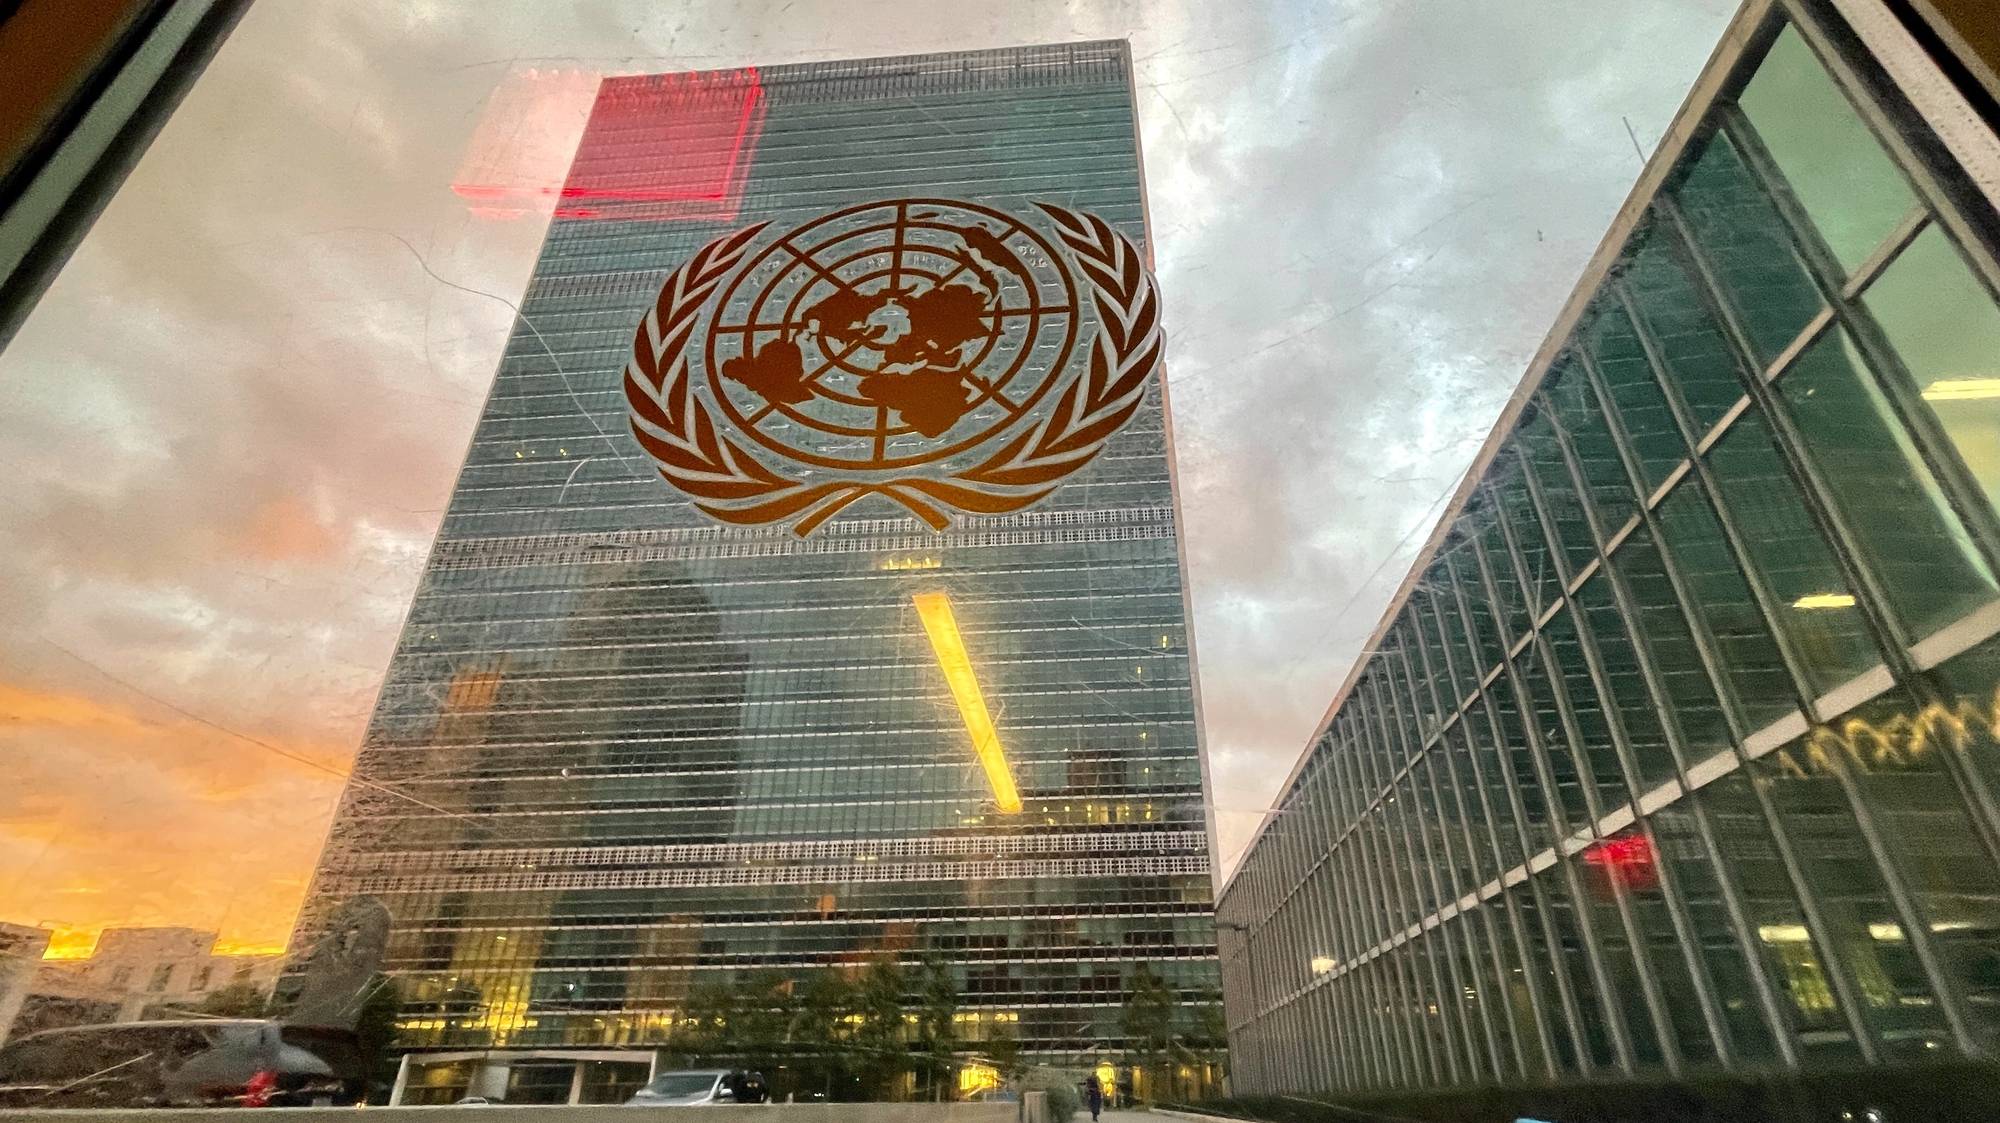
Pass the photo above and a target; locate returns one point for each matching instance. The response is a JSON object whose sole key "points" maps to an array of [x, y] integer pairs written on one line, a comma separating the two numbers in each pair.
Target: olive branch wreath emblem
{"points": [[728, 483]]}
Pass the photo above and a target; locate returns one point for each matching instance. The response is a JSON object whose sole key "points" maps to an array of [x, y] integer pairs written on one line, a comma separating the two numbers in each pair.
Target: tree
{"points": [[237, 1000], [820, 1031], [761, 1015], [706, 1029], [878, 1037], [1003, 1052], [1210, 1042], [937, 1026], [1148, 1018], [375, 1031]]}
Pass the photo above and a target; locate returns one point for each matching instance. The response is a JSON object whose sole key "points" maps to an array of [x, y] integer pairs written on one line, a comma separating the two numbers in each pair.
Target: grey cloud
{"points": [[232, 425]]}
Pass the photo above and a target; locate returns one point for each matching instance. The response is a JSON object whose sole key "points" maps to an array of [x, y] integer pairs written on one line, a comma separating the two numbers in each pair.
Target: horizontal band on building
{"points": [[710, 852], [849, 873]]}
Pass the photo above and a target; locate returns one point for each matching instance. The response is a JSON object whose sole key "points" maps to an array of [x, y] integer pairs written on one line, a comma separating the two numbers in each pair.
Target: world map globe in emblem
{"points": [[892, 334]]}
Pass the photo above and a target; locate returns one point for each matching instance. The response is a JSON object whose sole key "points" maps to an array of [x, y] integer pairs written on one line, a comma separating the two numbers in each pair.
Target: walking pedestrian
{"points": [[1093, 1093]]}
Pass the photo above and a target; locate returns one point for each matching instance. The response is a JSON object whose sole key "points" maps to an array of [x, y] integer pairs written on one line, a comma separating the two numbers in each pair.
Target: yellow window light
{"points": [[1824, 600], [942, 628], [1962, 389]]}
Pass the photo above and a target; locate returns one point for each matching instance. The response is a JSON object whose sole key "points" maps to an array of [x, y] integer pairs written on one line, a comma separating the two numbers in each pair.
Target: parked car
{"points": [[699, 1087], [213, 1061]]}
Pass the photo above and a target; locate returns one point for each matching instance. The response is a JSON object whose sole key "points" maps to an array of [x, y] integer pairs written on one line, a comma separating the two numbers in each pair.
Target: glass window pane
{"points": [[1853, 192], [1518, 769], [1508, 595], [1540, 977], [1429, 684], [1746, 244], [1629, 695], [1814, 604], [1661, 625], [1538, 564], [1478, 605], [1578, 797], [1793, 959], [1544, 456], [1682, 852], [1750, 657], [1904, 527], [1852, 894], [1450, 647], [1490, 783], [1598, 751], [1701, 364], [1455, 779], [1894, 748], [1572, 407], [1972, 727], [1635, 393], [1571, 958], [1946, 329]]}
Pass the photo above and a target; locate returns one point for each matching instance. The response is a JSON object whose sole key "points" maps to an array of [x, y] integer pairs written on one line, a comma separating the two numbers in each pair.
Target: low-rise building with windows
{"points": [[1676, 752], [138, 973]]}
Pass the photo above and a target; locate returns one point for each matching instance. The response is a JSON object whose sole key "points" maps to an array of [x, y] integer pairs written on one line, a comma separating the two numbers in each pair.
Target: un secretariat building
{"points": [[627, 747]]}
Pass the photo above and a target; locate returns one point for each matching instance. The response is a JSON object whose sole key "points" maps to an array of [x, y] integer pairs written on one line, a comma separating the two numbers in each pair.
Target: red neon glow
{"points": [[1628, 860], [660, 147]]}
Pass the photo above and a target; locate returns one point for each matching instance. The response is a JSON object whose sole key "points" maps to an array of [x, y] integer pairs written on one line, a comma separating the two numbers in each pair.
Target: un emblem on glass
{"points": [[945, 355]]}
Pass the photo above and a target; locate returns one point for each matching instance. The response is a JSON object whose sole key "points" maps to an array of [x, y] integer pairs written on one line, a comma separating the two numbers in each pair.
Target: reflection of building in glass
{"points": [[1678, 750], [21, 948], [138, 973], [624, 752]]}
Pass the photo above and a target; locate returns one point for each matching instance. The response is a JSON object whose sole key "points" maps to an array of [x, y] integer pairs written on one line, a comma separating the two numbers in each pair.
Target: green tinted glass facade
{"points": [[624, 751], [1679, 752]]}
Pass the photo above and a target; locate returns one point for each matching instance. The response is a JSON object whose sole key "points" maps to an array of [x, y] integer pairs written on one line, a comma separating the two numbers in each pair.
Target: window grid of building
{"points": [[623, 752], [1679, 751]]}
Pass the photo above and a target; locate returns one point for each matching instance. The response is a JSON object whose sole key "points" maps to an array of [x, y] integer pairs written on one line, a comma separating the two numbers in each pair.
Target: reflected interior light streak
{"points": [[1962, 389], [1824, 600], [942, 629]]}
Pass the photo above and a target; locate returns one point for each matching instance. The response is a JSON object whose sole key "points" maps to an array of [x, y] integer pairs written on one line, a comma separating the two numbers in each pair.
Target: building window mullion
{"points": [[1890, 638], [1741, 930]]}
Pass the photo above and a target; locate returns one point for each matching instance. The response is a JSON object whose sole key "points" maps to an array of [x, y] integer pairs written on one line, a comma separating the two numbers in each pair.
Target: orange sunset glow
{"points": [[133, 815]]}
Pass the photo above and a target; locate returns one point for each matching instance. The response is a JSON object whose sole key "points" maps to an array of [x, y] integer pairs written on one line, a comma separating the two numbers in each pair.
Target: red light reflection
{"points": [[1628, 860], [659, 147]]}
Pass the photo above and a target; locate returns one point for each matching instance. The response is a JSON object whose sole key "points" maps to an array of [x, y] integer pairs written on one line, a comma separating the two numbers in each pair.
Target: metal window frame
{"points": [[1742, 930]]}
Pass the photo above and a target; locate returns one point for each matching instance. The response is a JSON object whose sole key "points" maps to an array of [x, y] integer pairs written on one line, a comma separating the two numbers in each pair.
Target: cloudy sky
{"points": [[230, 429]]}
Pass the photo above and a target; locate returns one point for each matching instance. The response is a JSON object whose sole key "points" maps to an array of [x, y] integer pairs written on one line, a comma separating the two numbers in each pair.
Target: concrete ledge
{"points": [[552, 1113]]}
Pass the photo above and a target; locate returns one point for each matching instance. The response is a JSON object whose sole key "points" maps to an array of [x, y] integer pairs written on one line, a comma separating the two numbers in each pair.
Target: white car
{"points": [[693, 1088]]}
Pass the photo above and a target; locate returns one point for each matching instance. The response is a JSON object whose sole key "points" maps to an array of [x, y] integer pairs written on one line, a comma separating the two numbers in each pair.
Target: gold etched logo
{"points": [[942, 354]]}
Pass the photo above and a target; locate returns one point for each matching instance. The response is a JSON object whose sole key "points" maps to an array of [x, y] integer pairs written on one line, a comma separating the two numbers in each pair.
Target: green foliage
{"points": [[936, 1029], [823, 1055], [375, 1030], [707, 1027], [1148, 1019], [237, 1000], [760, 1019], [1064, 1102], [879, 1036], [1003, 1052]]}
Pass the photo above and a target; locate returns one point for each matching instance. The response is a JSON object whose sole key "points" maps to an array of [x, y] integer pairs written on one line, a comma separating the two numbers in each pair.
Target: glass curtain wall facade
{"points": [[624, 751], [1679, 750]]}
